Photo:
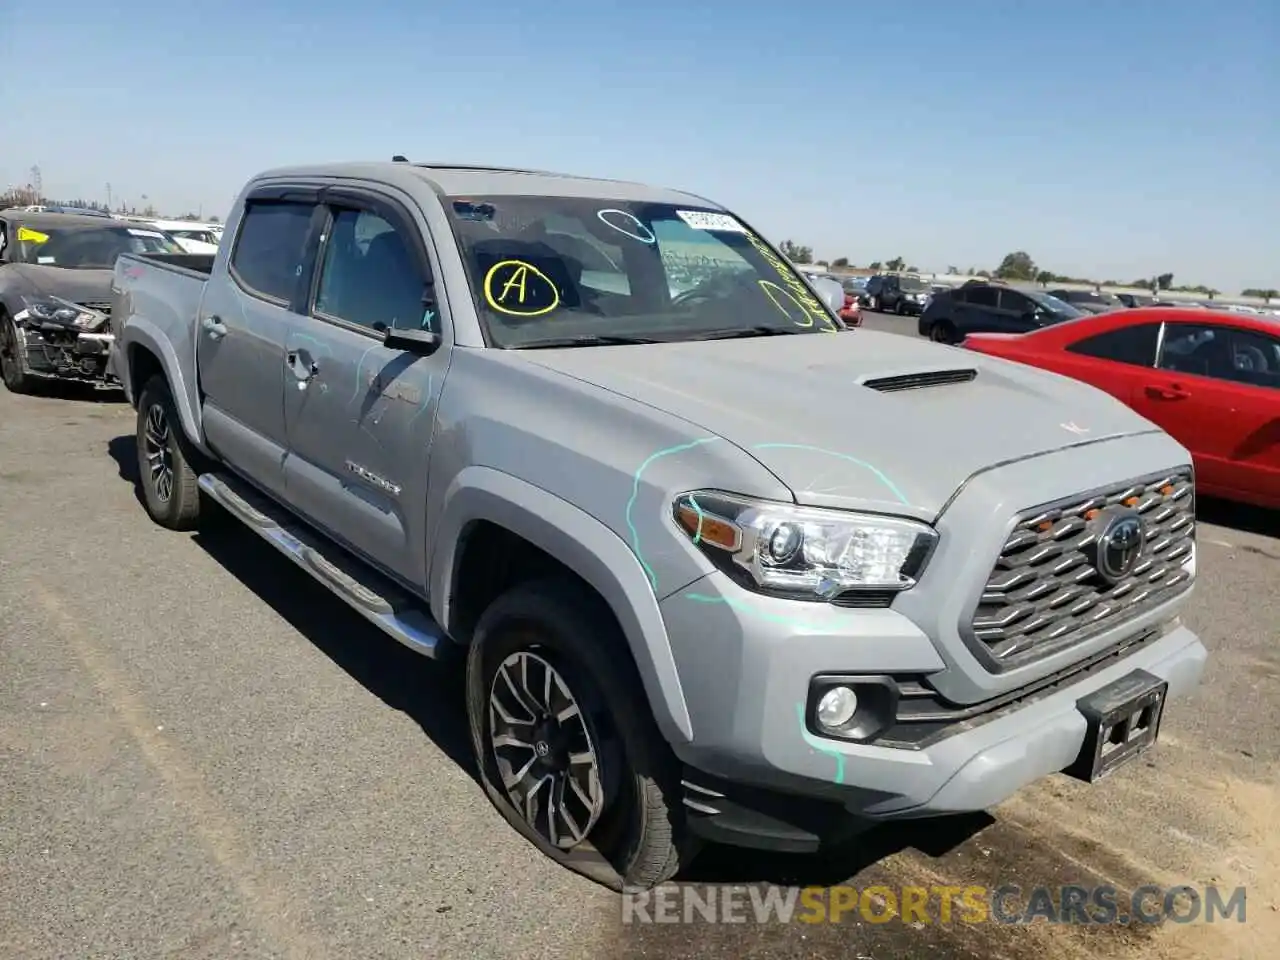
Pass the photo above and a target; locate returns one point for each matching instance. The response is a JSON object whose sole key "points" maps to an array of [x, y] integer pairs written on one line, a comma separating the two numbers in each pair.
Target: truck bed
{"points": [[198, 263]]}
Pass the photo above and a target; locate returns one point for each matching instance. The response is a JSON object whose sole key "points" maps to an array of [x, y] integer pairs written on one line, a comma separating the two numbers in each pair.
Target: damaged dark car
{"points": [[55, 293]]}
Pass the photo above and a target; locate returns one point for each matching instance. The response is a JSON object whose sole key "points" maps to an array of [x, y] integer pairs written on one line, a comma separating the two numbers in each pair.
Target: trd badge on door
{"points": [[373, 479]]}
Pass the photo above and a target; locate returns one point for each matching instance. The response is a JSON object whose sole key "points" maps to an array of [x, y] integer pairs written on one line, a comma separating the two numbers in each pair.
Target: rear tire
{"points": [[169, 489], [624, 826], [15, 379]]}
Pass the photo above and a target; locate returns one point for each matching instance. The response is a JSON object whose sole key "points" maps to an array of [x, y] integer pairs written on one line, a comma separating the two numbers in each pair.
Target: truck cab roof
{"points": [[455, 179]]}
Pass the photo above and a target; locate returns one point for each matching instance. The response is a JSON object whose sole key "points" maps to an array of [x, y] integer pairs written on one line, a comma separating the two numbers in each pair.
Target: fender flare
{"points": [[584, 545], [143, 333]]}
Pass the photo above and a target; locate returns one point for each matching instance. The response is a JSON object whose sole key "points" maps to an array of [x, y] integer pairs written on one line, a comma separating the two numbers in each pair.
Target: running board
{"points": [[370, 594]]}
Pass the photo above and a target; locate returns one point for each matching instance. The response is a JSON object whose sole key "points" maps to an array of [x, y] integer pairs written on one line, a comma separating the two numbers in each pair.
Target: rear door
{"points": [[1217, 390], [243, 318], [359, 415], [976, 312]]}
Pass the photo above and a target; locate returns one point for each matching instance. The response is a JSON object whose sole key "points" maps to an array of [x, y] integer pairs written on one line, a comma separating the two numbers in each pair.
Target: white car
{"points": [[191, 235]]}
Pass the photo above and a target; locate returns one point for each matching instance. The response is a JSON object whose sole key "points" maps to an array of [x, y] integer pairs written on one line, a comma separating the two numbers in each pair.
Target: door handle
{"points": [[214, 326], [1172, 392], [300, 368]]}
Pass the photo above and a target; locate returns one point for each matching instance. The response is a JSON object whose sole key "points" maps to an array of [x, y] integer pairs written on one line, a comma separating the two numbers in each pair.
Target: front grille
{"points": [[1044, 593]]}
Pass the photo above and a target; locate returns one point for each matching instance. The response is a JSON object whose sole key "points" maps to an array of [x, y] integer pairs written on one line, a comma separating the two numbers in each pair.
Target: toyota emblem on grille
{"points": [[1121, 535]]}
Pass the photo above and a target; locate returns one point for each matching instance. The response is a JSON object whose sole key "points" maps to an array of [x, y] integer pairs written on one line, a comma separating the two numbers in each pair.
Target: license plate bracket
{"points": [[1123, 722]]}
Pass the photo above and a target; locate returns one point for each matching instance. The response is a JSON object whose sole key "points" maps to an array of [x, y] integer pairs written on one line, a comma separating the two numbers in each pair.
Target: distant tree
{"points": [[796, 253], [1016, 266], [876, 265], [1267, 293], [1210, 292], [897, 263], [913, 269], [823, 263], [1046, 277], [840, 262], [983, 273], [953, 271], [214, 220]]}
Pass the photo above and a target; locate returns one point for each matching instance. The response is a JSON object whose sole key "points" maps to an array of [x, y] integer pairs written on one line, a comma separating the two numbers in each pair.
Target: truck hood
{"points": [[78, 286], [858, 420]]}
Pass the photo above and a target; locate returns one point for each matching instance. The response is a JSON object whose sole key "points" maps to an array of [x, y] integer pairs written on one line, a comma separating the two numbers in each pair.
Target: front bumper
{"points": [[756, 776], [87, 357]]}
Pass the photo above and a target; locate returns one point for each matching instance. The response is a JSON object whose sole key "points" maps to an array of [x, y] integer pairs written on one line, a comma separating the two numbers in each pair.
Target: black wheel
{"points": [[15, 379], [567, 748], [942, 332], [898, 308], [169, 488]]}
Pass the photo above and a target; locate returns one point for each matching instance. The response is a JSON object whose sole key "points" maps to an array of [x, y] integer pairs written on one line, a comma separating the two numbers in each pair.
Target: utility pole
{"points": [[108, 198]]}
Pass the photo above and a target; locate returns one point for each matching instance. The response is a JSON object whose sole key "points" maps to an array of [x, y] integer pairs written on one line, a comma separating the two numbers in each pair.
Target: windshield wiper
{"points": [[583, 340], [757, 331]]}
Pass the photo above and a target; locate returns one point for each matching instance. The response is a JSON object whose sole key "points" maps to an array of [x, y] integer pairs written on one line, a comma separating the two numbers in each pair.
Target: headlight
{"points": [[804, 552], [63, 311]]}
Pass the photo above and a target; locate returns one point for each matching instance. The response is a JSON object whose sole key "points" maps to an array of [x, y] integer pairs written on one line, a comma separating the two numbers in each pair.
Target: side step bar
{"points": [[370, 594]]}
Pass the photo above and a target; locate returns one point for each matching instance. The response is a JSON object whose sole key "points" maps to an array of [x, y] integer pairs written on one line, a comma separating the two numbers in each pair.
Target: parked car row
{"points": [[716, 577]]}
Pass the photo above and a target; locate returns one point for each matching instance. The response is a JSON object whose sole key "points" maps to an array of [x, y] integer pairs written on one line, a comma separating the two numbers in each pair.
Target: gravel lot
{"points": [[204, 755]]}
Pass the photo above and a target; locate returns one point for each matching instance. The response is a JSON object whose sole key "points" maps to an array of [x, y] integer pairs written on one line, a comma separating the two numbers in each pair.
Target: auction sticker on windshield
{"points": [[32, 236], [701, 220]]}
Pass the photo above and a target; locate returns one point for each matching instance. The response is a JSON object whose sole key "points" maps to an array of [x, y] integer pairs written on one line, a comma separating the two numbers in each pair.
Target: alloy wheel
{"points": [[156, 448], [544, 750]]}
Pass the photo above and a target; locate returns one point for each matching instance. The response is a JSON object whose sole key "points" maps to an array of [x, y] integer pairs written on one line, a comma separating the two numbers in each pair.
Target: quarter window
{"points": [[1133, 345], [369, 276], [270, 247]]}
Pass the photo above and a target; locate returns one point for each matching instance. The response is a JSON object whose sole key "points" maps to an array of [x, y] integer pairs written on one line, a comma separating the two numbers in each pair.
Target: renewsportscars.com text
{"points": [[1010, 904]]}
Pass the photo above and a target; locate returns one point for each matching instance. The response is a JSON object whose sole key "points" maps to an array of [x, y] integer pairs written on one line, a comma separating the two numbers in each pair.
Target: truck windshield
{"points": [[87, 247], [567, 269]]}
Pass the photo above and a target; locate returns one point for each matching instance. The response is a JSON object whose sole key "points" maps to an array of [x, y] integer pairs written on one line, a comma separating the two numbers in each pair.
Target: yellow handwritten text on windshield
{"points": [[522, 290], [794, 285]]}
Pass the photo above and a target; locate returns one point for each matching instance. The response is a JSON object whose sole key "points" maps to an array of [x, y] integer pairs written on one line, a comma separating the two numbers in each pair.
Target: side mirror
{"points": [[422, 342], [831, 292]]}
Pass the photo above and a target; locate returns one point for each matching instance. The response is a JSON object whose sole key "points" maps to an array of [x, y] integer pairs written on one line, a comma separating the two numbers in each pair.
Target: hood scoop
{"points": [[918, 381]]}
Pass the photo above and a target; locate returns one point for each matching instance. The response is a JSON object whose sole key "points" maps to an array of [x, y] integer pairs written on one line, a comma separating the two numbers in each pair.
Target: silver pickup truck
{"points": [[717, 574]]}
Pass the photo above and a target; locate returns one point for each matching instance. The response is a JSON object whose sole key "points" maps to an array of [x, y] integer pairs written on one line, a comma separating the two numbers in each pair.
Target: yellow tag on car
{"points": [[34, 236]]}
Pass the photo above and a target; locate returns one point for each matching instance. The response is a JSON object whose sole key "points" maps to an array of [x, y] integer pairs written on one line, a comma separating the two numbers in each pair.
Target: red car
{"points": [[1210, 379], [850, 313]]}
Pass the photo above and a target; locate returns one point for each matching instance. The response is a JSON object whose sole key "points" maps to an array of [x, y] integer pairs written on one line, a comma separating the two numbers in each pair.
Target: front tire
{"points": [[169, 489], [15, 378], [943, 332], [566, 746]]}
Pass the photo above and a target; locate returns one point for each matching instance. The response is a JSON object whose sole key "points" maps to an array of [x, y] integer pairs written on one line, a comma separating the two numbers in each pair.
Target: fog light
{"points": [[837, 707]]}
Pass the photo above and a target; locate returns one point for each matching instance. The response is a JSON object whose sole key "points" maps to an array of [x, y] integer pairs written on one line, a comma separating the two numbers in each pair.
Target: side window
{"points": [[1133, 345], [369, 275], [270, 246], [1240, 356], [982, 296], [1015, 302], [4, 237], [1255, 359]]}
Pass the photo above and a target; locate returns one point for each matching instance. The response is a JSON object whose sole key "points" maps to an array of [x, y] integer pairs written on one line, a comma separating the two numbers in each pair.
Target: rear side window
{"points": [[270, 247], [1015, 302], [1134, 345], [982, 296]]}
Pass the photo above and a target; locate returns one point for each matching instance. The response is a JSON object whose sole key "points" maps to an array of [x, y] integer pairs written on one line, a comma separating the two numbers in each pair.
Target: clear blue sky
{"points": [[1111, 139]]}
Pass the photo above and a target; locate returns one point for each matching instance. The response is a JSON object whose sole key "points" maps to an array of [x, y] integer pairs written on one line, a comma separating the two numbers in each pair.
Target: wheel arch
{"points": [[482, 499]]}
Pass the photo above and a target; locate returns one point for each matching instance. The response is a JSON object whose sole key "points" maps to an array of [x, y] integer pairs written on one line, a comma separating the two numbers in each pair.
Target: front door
{"points": [[359, 416], [1217, 390], [240, 333]]}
